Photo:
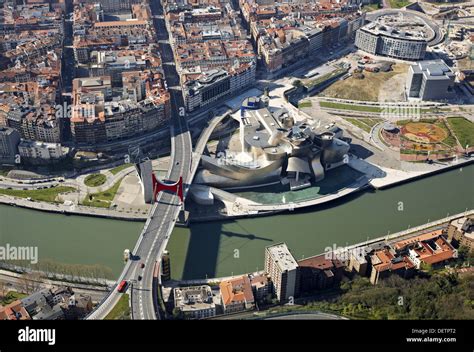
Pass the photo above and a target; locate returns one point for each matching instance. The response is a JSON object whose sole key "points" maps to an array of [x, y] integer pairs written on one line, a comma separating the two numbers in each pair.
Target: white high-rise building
{"points": [[282, 268]]}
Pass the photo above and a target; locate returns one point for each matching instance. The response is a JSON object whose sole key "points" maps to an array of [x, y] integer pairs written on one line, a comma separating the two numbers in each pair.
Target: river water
{"points": [[222, 248]]}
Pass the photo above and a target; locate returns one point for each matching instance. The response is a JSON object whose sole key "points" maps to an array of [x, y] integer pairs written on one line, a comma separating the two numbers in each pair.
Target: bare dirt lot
{"points": [[375, 86]]}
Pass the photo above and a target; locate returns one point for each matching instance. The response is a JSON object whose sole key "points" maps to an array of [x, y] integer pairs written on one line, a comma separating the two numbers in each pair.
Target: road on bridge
{"points": [[156, 232]]}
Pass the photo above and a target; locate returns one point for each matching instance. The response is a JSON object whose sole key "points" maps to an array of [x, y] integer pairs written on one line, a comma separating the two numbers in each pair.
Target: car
{"points": [[142, 265], [139, 278]]}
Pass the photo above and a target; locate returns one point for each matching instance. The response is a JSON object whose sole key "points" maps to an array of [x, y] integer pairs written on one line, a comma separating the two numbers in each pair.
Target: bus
{"points": [[122, 286], [311, 74]]}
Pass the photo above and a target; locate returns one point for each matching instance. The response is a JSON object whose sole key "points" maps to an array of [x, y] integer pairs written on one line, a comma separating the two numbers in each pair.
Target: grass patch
{"points": [[341, 106], [102, 199], [12, 296], [305, 104], [117, 169], [370, 7], [121, 311], [450, 140], [40, 195], [463, 129], [364, 124], [95, 180], [359, 123], [397, 4], [4, 171], [372, 122]]}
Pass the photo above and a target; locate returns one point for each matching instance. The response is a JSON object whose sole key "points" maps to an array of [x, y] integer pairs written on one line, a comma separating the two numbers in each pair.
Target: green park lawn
{"points": [[40, 195], [95, 180], [463, 129], [119, 168], [102, 199]]}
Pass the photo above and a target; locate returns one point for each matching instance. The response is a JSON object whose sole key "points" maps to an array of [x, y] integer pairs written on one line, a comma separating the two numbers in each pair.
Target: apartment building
{"points": [[42, 150], [379, 39], [283, 270], [319, 272], [261, 287], [461, 231], [236, 295], [99, 117], [386, 262], [195, 302]]}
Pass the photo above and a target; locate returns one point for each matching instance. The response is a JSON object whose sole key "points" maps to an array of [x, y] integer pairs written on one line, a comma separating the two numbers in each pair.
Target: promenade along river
{"points": [[222, 248]]}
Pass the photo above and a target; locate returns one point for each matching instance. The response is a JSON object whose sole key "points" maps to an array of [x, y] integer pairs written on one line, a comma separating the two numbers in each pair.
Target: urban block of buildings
{"points": [[139, 106], [285, 33], [120, 91], [213, 57], [287, 279], [31, 42], [57, 303]]}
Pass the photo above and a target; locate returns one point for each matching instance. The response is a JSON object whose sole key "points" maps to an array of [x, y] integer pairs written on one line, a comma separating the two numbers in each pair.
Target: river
{"points": [[222, 248]]}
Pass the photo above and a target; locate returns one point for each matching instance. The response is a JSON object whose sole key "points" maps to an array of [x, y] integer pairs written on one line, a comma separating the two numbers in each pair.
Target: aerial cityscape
{"points": [[236, 160]]}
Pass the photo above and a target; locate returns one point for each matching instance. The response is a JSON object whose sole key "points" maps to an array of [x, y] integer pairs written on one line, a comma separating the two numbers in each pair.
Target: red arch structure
{"points": [[176, 187]]}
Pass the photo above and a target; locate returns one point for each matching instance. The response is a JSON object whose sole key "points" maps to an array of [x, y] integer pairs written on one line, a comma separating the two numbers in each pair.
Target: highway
{"points": [[156, 232]]}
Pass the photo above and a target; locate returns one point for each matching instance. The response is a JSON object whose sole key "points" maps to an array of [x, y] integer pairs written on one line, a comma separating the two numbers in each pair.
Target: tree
{"points": [[177, 313], [30, 282], [3, 290], [297, 83]]}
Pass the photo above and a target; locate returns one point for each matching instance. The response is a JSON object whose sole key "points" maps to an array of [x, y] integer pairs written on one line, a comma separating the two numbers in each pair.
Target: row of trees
{"points": [[63, 271]]}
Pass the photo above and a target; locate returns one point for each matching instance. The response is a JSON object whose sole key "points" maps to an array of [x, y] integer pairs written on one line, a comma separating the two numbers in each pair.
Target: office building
{"points": [[430, 80]]}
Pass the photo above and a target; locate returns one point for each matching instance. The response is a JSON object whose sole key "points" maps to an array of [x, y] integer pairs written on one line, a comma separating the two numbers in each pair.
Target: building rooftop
{"points": [[282, 257], [384, 259], [14, 311], [433, 69], [320, 262], [193, 298], [400, 245], [434, 251], [236, 290]]}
